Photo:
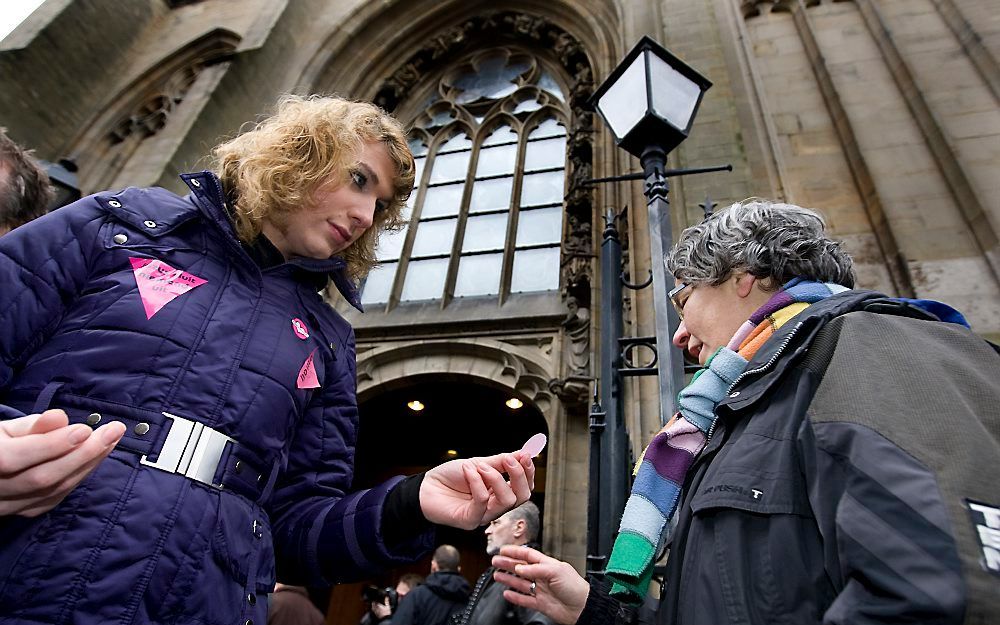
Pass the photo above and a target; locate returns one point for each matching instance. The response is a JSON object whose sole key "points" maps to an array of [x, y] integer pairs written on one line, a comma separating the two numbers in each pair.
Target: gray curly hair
{"points": [[766, 239]]}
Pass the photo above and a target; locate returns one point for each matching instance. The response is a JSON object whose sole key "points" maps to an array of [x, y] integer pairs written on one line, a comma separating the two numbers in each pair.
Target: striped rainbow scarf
{"points": [[663, 465]]}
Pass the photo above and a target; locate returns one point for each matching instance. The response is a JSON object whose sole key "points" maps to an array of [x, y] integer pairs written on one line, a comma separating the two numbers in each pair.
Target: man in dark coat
{"points": [[443, 594], [487, 606]]}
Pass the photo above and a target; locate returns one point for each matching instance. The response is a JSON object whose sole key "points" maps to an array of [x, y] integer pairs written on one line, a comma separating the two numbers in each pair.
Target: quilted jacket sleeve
{"points": [[43, 266], [324, 533]]}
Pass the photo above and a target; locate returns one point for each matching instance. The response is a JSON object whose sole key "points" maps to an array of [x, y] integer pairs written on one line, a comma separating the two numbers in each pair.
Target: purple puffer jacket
{"points": [[130, 305]]}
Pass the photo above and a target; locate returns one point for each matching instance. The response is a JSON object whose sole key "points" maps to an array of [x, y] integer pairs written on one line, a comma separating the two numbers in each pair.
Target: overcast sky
{"points": [[13, 12]]}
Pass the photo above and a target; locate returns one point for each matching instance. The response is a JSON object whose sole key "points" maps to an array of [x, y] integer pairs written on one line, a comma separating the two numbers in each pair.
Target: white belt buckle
{"points": [[192, 449]]}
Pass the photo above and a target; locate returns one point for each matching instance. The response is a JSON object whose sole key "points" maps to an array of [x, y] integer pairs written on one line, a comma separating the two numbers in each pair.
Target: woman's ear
{"points": [[745, 283]]}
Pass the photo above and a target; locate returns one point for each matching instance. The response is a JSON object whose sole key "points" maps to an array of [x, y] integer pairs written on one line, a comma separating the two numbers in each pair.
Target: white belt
{"points": [[192, 449]]}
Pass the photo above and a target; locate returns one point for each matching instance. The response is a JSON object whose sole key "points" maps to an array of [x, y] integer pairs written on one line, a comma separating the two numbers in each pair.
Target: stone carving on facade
{"points": [[518, 367], [577, 253], [574, 388], [151, 115], [756, 8], [143, 107]]}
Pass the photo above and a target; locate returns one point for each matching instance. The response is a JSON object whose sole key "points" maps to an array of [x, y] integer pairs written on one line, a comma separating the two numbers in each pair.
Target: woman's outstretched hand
{"points": [[472, 492], [538, 582]]}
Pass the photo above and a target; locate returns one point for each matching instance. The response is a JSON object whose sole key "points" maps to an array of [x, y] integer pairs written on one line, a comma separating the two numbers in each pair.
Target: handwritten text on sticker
{"points": [[159, 283], [307, 374]]}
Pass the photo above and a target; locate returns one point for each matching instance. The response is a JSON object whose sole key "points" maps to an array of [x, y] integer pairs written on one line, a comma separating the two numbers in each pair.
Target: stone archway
{"points": [[524, 370], [492, 362]]}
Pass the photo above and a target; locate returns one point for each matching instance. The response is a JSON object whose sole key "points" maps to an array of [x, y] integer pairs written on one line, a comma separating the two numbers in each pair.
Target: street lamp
{"points": [[650, 99], [649, 102]]}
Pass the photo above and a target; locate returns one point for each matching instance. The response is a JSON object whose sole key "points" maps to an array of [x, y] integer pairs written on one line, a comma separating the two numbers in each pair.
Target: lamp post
{"points": [[649, 102]]}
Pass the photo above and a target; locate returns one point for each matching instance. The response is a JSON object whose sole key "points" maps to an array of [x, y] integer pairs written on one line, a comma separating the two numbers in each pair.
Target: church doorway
{"points": [[419, 424]]}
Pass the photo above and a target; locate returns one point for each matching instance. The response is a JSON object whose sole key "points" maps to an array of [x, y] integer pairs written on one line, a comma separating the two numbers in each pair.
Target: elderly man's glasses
{"points": [[675, 298]]}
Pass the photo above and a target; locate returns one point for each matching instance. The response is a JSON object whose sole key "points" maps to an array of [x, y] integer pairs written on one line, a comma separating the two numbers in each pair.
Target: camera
{"points": [[374, 594]]}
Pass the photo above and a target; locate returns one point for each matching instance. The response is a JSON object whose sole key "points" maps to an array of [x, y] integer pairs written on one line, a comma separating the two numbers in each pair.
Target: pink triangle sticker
{"points": [[307, 374], [159, 283]]}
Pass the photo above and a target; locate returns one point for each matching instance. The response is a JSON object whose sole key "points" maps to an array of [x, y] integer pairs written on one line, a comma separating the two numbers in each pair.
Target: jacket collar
{"points": [[207, 189], [791, 340]]}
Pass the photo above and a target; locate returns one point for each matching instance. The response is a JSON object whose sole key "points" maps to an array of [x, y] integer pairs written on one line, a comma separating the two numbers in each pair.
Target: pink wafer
{"points": [[535, 445]]}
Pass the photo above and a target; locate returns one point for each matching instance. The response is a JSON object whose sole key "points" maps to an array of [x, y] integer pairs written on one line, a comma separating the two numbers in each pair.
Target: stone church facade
{"points": [[883, 114]]}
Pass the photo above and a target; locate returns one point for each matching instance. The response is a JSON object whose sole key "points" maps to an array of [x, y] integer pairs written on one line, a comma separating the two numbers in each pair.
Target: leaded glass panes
{"points": [[441, 118], [493, 77], [548, 128], [548, 83], [450, 167], [479, 275], [496, 160], [434, 237], [539, 226], [491, 194], [463, 243], [527, 106], [502, 134], [485, 232], [535, 270], [418, 146], [378, 284], [460, 141], [545, 154], [390, 245], [425, 279], [442, 201], [544, 188]]}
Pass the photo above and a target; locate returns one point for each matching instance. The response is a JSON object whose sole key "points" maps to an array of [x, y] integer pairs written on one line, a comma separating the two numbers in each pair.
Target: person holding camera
{"points": [[382, 602]]}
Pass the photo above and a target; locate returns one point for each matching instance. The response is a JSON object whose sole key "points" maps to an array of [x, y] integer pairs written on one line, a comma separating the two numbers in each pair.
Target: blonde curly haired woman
{"points": [[195, 323]]}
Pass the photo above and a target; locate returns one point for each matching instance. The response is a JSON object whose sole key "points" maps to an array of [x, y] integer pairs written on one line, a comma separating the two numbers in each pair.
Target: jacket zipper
{"points": [[767, 365]]}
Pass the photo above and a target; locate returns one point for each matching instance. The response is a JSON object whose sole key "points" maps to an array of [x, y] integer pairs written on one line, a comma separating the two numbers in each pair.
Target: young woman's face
{"points": [[339, 213]]}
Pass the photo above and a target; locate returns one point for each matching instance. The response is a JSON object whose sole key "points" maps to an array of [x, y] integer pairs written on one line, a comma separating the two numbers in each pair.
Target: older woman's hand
{"points": [[541, 583], [472, 492], [43, 458]]}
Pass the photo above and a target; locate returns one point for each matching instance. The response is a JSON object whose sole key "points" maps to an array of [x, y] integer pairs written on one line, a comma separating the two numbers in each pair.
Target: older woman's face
{"points": [[713, 314], [339, 213]]}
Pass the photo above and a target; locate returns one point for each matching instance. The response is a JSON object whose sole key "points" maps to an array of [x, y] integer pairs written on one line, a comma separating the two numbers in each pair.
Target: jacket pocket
{"points": [[755, 542], [242, 544]]}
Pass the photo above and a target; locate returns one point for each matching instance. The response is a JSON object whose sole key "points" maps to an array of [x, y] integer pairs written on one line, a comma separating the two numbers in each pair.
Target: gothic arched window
{"points": [[486, 216]]}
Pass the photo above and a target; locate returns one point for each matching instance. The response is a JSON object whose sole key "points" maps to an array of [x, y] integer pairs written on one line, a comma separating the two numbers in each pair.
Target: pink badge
{"points": [[307, 374], [159, 283], [300, 329]]}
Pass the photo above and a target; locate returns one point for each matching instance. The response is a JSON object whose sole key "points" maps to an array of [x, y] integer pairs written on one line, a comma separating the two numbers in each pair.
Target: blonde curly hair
{"points": [[275, 168]]}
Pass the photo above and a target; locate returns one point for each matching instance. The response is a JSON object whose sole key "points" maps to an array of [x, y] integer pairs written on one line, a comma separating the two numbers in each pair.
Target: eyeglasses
{"points": [[675, 298]]}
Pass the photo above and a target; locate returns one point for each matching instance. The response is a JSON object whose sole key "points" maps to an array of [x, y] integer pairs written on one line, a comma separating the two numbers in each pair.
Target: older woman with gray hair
{"points": [[825, 462]]}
